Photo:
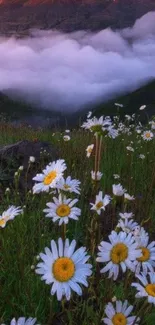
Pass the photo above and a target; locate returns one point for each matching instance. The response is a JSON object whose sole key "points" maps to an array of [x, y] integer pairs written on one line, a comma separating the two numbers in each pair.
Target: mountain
{"points": [[18, 16]]}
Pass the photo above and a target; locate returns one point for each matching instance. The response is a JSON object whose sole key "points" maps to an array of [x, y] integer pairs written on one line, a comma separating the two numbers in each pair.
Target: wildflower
{"points": [[89, 150], [50, 176], [96, 125], [119, 105], [7, 190], [69, 185], [112, 133], [116, 176], [142, 107], [147, 260], [119, 314], [127, 225], [67, 131], [139, 234], [64, 268], [66, 138], [121, 252], [129, 148], [16, 174], [100, 202], [9, 214], [62, 209], [141, 156], [21, 168], [126, 215], [147, 289], [147, 135], [23, 321], [32, 159], [128, 197], [118, 190], [96, 176]]}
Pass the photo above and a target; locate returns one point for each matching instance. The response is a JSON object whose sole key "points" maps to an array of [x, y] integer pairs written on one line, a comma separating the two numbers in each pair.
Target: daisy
{"points": [[116, 176], [64, 268], [96, 176], [126, 215], [128, 197], [147, 135], [23, 321], [112, 133], [142, 107], [89, 150], [129, 148], [146, 262], [127, 225], [69, 185], [121, 252], [95, 124], [119, 314], [49, 177], [140, 234], [118, 190], [100, 202], [66, 138], [147, 289], [62, 209], [9, 214]]}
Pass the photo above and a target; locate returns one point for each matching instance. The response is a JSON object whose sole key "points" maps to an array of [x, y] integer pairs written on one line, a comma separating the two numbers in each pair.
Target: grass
{"points": [[22, 291]]}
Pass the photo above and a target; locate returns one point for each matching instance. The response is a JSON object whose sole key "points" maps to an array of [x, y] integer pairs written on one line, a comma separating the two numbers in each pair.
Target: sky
{"points": [[68, 71]]}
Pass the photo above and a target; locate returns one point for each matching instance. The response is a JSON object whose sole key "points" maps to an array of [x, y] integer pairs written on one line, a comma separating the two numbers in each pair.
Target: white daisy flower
{"points": [[32, 159], [141, 156], [9, 214], [126, 215], [116, 176], [95, 124], [64, 268], [69, 185], [62, 209], [129, 148], [96, 176], [142, 107], [49, 177], [140, 234], [147, 135], [89, 150], [119, 105], [66, 138], [147, 289], [67, 131], [121, 252], [119, 314], [112, 133], [23, 321], [128, 197], [100, 202], [127, 225], [118, 190], [146, 262]]}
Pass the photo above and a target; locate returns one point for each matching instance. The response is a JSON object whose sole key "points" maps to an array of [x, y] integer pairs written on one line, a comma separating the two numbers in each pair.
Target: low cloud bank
{"points": [[68, 71]]}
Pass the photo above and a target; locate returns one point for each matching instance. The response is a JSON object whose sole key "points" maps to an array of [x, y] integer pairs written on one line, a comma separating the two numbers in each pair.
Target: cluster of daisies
{"points": [[63, 265]]}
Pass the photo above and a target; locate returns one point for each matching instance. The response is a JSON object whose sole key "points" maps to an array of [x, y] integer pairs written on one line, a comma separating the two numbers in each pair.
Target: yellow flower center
{"points": [[119, 319], [147, 135], [145, 254], [63, 269], [2, 222], [50, 177], [99, 205], [66, 187], [63, 210], [119, 253], [150, 289]]}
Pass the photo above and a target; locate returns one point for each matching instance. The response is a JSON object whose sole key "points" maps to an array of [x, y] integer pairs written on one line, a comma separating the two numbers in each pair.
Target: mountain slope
{"points": [[18, 16]]}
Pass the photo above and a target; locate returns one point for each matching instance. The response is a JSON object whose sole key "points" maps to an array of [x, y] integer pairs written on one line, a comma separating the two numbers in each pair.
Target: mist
{"points": [[66, 72]]}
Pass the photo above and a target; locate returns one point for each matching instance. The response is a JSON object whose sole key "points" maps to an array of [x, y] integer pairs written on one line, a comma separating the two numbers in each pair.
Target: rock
{"points": [[15, 155]]}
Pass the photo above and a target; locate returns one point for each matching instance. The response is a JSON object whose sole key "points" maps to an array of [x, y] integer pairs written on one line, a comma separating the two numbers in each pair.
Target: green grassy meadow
{"points": [[22, 291]]}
